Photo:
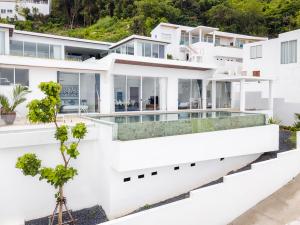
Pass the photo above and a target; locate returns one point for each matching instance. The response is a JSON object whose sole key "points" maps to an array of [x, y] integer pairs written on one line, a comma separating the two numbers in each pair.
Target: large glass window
{"points": [[12, 76], [155, 52], [161, 51], [6, 76], [256, 52], [133, 93], [22, 77], [196, 94], [16, 48], [43, 51], [139, 93], [223, 94], [289, 52], [147, 47], [55, 52], [184, 38], [80, 92], [120, 93], [90, 92], [184, 92], [29, 49], [149, 97], [189, 94], [130, 48], [2, 42]]}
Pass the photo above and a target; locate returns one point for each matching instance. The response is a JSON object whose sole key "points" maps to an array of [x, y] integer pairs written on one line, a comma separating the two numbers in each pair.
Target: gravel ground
{"points": [[284, 142], [88, 216]]}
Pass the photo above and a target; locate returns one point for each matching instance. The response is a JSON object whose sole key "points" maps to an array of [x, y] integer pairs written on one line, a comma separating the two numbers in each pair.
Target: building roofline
{"points": [[139, 37], [155, 62], [61, 37], [228, 34]]}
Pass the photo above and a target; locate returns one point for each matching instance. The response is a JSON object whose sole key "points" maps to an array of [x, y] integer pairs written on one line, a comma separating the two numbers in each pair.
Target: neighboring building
{"points": [[278, 58], [11, 8], [205, 45]]}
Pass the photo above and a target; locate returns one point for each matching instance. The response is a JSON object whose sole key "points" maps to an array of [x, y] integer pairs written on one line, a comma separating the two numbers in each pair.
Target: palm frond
{"points": [[4, 102], [19, 93]]}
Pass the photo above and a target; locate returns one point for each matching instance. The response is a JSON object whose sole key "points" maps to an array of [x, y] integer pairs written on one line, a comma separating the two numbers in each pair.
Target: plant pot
{"points": [[9, 118]]}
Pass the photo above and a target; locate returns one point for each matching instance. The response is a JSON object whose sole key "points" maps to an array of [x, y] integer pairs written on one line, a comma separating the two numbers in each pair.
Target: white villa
{"points": [[166, 115], [11, 8]]}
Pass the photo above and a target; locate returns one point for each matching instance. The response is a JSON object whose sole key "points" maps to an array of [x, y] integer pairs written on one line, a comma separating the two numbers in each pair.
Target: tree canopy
{"points": [[112, 20]]}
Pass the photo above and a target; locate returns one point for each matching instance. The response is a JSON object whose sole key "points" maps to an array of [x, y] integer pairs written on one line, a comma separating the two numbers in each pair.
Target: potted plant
{"points": [[7, 111]]}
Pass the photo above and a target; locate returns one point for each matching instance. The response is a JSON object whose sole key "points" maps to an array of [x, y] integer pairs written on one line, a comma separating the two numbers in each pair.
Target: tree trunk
{"points": [[60, 208]]}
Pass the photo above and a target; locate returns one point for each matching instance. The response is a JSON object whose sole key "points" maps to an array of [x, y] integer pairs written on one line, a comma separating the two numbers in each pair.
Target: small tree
{"points": [[45, 111]]}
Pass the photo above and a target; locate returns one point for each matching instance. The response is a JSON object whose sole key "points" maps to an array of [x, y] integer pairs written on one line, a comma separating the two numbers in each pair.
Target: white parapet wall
{"points": [[221, 203], [163, 151]]}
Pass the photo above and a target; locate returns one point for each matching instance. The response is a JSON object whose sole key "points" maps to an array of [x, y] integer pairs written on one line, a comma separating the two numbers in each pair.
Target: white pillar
{"points": [[204, 92], [298, 140], [200, 35], [106, 93], [63, 53], [135, 45], [270, 100], [242, 95], [213, 94], [172, 93], [190, 38], [214, 38]]}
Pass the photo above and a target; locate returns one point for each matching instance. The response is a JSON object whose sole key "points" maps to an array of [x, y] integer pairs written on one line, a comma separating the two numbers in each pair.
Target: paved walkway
{"points": [[281, 208]]}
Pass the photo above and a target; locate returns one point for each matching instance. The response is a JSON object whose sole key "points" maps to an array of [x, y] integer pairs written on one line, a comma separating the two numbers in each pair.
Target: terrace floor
{"points": [[281, 208]]}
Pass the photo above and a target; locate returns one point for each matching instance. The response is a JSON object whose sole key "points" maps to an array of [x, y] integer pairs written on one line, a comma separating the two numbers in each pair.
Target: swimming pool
{"points": [[133, 127]]}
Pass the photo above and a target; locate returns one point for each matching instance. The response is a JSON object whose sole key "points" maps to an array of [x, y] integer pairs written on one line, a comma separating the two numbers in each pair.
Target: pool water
{"points": [[120, 119]]}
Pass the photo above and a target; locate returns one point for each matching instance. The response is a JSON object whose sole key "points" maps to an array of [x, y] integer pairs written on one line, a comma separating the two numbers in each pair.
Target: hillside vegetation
{"points": [[112, 20]]}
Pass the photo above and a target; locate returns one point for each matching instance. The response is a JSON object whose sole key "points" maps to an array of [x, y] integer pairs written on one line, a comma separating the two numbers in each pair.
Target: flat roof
{"points": [[155, 62], [224, 77], [61, 37], [132, 37], [233, 35]]}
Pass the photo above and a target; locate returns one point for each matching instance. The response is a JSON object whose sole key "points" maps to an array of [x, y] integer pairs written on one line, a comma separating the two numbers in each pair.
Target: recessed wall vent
{"points": [[127, 179]]}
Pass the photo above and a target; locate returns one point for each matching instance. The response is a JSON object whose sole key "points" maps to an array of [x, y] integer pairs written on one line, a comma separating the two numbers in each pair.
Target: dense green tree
{"points": [[89, 18]]}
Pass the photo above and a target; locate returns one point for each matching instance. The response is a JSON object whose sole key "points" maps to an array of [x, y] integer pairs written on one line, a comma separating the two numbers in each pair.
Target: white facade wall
{"points": [[287, 83], [164, 151], [98, 182], [221, 203]]}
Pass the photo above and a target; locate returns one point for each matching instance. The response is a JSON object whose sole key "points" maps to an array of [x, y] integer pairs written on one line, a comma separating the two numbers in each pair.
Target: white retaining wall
{"points": [[221, 203], [24, 198]]}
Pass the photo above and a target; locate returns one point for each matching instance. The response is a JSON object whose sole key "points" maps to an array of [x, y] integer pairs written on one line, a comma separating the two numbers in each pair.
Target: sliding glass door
{"points": [[189, 94], [90, 92], [223, 94], [132, 93], [80, 92], [70, 92]]}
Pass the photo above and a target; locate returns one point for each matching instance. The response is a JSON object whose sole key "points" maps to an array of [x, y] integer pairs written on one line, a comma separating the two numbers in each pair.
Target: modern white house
{"points": [[12, 8], [277, 58], [158, 127]]}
